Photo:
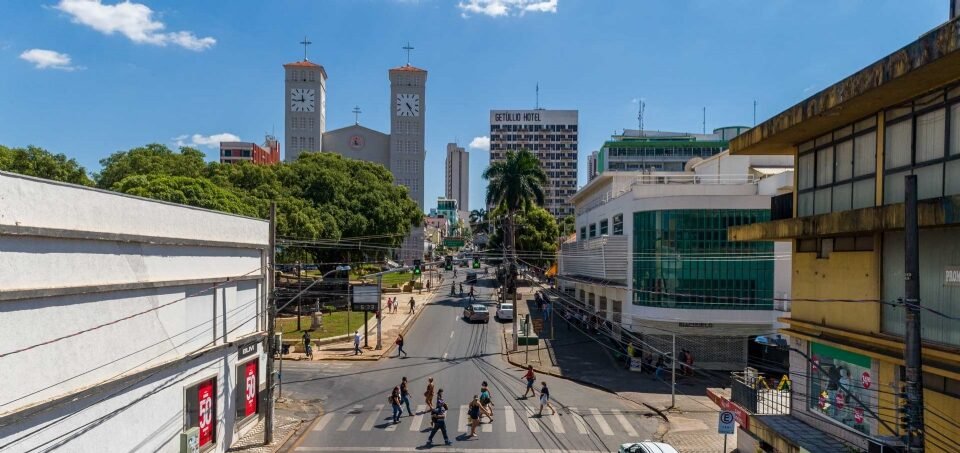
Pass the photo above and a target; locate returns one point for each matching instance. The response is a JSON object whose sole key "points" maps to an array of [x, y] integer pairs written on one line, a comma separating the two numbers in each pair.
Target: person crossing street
{"points": [[486, 401], [439, 418], [531, 379], [395, 404], [428, 395], [545, 398], [405, 396]]}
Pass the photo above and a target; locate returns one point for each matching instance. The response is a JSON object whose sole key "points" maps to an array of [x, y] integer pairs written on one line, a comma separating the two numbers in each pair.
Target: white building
{"points": [[552, 136], [652, 254], [458, 176], [125, 321]]}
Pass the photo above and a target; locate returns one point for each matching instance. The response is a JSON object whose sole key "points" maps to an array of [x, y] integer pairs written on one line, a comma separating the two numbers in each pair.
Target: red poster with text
{"points": [[206, 422], [250, 374]]}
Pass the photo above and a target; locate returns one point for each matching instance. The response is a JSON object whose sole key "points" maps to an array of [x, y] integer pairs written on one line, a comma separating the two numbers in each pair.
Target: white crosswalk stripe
{"points": [[511, 423], [346, 423], [601, 422], [322, 423], [418, 419], [578, 420], [627, 428], [532, 422], [462, 419], [557, 424], [372, 419]]}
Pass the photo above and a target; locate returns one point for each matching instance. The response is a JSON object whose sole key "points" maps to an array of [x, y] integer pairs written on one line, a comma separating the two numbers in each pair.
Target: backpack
{"points": [[484, 397]]}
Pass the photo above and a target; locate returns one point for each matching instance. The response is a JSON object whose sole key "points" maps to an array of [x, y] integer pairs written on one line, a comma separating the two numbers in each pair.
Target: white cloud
{"points": [[210, 141], [482, 143], [499, 8], [133, 20], [48, 59]]}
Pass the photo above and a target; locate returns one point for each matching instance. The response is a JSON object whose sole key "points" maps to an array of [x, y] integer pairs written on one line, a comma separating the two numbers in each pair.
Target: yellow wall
{"points": [[941, 417], [844, 275]]}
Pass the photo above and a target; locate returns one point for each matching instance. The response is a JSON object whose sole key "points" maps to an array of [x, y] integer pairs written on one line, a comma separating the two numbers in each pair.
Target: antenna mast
{"points": [[640, 109], [704, 120]]}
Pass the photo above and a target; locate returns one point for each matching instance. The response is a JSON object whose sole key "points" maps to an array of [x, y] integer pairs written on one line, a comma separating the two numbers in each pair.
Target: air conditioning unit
{"points": [[190, 441]]}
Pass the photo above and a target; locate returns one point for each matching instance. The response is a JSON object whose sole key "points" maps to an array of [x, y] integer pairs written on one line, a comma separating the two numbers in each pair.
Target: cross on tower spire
{"points": [[356, 114], [408, 48], [305, 43]]}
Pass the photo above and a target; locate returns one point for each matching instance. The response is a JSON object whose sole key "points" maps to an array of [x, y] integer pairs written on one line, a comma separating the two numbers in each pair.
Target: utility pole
{"points": [[912, 354], [271, 308], [673, 374], [379, 310]]}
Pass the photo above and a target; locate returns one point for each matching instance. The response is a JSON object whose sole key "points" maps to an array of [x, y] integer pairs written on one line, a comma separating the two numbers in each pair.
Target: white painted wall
{"points": [[138, 366]]}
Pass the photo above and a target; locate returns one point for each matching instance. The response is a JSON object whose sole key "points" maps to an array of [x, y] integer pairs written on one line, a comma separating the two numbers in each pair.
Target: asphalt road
{"points": [[459, 356]]}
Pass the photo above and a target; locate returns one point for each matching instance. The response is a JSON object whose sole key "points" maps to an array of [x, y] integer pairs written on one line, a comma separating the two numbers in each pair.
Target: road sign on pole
{"points": [[726, 423]]}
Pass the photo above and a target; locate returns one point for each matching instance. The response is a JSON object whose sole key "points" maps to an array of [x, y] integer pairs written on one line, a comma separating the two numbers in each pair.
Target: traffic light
{"points": [[476, 262], [448, 262], [416, 267]]}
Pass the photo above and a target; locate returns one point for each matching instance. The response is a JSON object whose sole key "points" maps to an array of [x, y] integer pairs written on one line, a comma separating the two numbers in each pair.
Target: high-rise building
{"points": [[268, 153], [408, 89], [592, 166], [551, 135], [305, 119], [642, 150], [458, 175]]}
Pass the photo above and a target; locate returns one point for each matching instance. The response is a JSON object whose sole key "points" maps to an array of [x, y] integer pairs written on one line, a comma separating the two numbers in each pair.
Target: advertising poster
{"points": [[250, 386], [206, 421]]}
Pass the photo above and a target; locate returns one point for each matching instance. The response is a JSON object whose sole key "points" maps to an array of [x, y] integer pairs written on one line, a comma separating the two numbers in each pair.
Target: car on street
{"points": [[646, 446], [476, 312], [471, 277], [504, 312]]}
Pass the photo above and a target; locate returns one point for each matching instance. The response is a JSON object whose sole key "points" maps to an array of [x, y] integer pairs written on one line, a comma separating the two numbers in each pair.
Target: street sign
{"points": [[365, 298], [727, 422]]}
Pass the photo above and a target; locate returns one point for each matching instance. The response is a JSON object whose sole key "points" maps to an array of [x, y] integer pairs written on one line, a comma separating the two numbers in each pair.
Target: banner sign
{"points": [[250, 374], [206, 421]]}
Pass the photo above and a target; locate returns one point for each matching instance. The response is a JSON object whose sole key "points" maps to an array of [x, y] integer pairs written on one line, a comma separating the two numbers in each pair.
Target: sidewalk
{"points": [[690, 425], [391, 325]]}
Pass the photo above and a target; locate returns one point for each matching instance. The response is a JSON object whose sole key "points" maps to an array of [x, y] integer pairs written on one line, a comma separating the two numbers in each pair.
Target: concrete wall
{"points": [[376, 145], [153, 296]]}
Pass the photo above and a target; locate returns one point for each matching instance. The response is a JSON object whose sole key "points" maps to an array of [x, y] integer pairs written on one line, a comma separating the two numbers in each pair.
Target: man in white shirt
{"points": [[356, 343]]}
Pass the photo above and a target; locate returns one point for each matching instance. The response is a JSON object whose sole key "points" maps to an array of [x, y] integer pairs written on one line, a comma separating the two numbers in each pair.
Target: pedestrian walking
{"points": [[660, 367], [688, 363], [307, 350], [395, 404], [428, 395], [473, 413], [413, 303], [439, 418], [400, 345], [388, 305], [356, 343], [486, 401], [531, 379], [545, 398], [461, 289], [405, 395]]}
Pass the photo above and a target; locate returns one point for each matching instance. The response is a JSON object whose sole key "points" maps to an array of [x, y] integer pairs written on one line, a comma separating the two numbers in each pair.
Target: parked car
{"points": [[504, 312], [646, 446], [476, 312]]}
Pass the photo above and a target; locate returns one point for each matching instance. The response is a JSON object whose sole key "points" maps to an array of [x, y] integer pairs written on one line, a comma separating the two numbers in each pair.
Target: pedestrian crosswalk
{"points": [[602, 422]]}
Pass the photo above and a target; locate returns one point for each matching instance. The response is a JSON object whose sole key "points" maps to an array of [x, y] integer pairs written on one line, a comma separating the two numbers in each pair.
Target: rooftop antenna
{"points": [[704, 121], [356, 114], [754, 113], [640, 109], [538, 96], [305, 43]]}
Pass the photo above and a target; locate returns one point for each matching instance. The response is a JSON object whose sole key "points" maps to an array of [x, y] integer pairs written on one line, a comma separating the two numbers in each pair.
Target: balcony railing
{"points": [[753, 392], [669, 179], [603, 258]]}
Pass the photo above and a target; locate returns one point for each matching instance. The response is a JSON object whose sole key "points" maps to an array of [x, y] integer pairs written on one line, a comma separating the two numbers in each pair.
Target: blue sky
{"points": [[90, 77]]}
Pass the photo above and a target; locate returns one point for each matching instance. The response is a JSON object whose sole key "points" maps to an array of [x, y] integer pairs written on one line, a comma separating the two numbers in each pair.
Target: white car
{"points": [[504, 312], [647, 446]]}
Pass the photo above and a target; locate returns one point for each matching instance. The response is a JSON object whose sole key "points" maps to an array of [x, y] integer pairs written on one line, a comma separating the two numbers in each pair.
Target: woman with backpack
{"points": [[486, 402], [394, 400], [473, 413]]}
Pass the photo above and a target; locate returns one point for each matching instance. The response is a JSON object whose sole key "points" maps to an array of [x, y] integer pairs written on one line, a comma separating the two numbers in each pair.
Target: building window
{"points": [[583, 232], [837, 380], [248, 391], [226, 153], [836, 171], [310, 144], [201, 411], [604, 226], [593, 230], [246, 153], [618, 225]]}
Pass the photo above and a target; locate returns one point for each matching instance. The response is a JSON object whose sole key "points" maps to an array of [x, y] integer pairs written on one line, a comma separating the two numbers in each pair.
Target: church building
{"points": [[401, 151]]}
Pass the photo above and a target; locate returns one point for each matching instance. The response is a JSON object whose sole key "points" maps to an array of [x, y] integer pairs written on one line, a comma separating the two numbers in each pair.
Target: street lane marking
{"points": [[532, 421], [487, 427], [451, 334], [462, 421], [557, 425], [624, 422], [578, 420], [418, 419], [440, 449], [601, 422], [508, 418], [372, 419], [346, 423], [323, 421]]}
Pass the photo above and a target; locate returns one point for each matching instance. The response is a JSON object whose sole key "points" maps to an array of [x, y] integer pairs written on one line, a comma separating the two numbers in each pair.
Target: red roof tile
{"points": [[408, 68]]}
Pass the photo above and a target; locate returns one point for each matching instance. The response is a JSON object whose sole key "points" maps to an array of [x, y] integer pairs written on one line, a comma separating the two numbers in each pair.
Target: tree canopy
{"points": [[34, 161], [537, 234], [515, 181]]}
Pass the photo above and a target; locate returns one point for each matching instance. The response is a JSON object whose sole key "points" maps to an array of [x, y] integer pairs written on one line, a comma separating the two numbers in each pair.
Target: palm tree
{"points": [[515, 182], [478, 220]]}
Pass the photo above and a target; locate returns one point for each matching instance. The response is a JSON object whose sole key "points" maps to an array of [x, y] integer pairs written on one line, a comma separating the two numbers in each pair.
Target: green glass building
{"points": [[685, 255]]}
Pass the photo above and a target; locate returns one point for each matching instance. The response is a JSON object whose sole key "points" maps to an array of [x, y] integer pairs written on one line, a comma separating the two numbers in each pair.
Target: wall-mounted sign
{"points": [[356, 142], [365, 298], [247, 350], [951, 276]]}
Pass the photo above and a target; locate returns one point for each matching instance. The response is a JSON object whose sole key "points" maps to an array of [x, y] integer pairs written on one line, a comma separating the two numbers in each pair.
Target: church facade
{"points": [[401, 151]]}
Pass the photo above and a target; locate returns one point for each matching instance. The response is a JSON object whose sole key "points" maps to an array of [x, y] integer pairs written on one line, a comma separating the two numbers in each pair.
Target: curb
{"points": [[287, 437], [659, 412]]}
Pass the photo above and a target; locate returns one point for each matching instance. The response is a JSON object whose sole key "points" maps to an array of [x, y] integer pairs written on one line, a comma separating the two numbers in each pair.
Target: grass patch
{"points": [[333, 324], [394, 278]]}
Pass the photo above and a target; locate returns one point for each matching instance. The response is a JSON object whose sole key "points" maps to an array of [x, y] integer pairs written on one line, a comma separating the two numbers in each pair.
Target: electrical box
{"points": [[190, 441]]}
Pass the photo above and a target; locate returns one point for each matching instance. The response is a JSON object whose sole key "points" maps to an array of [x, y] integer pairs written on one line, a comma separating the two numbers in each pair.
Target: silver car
{"points": [[476, 312]]}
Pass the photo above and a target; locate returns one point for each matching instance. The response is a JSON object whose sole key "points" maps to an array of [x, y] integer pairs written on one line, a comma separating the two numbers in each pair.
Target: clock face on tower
{"points": [[408, 104], [302, 100]]}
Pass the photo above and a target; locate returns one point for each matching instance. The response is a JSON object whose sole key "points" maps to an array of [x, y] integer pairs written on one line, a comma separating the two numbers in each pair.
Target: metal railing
{"points": [[671, 179], [753, 392]]}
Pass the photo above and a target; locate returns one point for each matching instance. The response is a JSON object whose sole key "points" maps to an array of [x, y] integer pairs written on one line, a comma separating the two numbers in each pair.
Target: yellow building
{"points": [[853, 144]]}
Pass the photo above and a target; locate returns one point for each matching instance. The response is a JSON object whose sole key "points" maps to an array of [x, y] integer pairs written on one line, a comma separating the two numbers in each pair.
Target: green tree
{"points": [[152, 159], [199, 192], [516, 183], [537, 232], [34, 161], [478, 221], [568, 226]]}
